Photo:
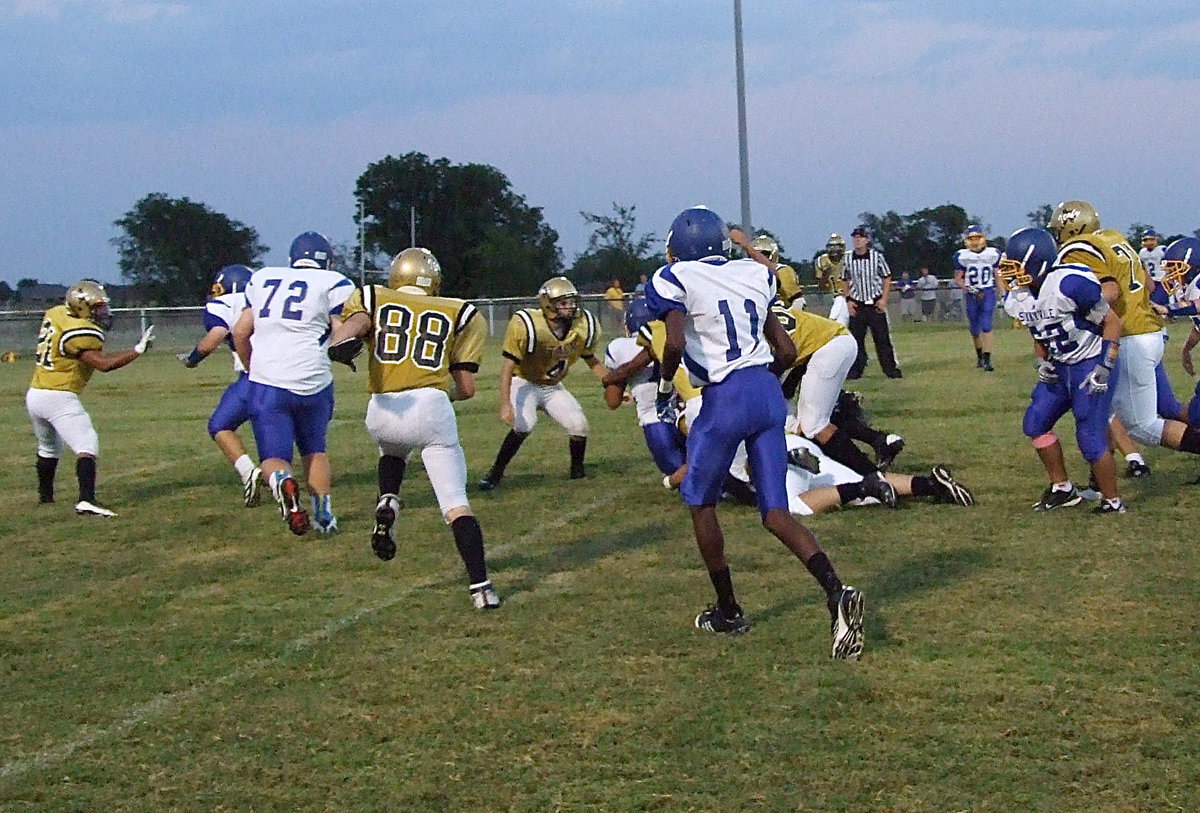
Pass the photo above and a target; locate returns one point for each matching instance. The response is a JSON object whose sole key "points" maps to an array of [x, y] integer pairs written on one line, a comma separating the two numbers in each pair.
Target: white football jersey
{"points": [[292, 308], [223, 311], [1190, 294], [978, 267], [1152, 261], [1066, 315], [725, 303], [642, 385]]}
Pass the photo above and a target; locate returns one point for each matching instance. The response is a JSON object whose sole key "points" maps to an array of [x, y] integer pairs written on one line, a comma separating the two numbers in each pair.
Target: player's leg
{"points": [[393, 422], [666, 444], [312, 416], [1169, 406], [73, 425], [1092, 436], [1048, 403], [983, 326], [562, 406], [49, 445], [447, 469], [1135, 396], [231, 412], [274, 434], [525, 397]]}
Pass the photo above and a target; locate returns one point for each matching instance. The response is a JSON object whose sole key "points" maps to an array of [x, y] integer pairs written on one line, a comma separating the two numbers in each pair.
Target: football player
{"points": [[974, 274], [424, 353], [221, 313], [280, 339], [1181, 280], [1151, 256], [785, 275], [1076, 341], [70, 348], [720, 327], [829, 267], [1127, 289], [540, 346]]}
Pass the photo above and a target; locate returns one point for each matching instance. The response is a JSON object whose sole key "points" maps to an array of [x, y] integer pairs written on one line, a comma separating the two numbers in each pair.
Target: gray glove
{"points": [[1045, 371]]}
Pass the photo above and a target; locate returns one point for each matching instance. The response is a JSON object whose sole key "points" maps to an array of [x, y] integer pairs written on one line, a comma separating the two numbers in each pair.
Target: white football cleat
{"points": [[85, 508], [252, 488]]}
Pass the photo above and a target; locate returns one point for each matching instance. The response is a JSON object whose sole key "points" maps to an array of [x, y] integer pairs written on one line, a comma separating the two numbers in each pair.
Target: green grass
{"points": [[193, 655]]}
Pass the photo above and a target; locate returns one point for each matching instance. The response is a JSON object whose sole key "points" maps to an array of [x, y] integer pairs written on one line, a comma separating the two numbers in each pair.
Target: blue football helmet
{"points": [[1027, 258], [974, 238], [1180, 264], [697, 233], [311, 250], [637, 314], [231, 279]]}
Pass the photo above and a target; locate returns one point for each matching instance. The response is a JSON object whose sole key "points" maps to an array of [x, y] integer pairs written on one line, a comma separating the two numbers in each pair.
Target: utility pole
{"points": [[743, 148], [362, 253]]}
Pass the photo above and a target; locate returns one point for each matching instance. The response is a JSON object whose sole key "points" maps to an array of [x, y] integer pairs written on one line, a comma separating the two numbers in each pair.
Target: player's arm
{"points": [[1110, 290], [242, 331], [738, 237], [1191, 341], [673, 348], [621, 373], [960, 279], [782, 346], [507, 368], [106, 362], [614, 395], [207, 345], [463, 386]]}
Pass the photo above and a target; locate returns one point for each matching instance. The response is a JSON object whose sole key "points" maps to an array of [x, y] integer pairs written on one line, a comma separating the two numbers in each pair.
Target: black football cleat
{"points": [[892, 446], [1052, 499], [713, 620], [1137, 469], [490, 481], [950, 489], [382, 544]]}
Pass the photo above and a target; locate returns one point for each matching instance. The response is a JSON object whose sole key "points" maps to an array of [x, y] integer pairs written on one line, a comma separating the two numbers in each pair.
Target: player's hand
{"points": [[186, 358], [144, 343], [664, 402], [851, 306], [1161, 310], [1186, 359], [1045, 371], [1096, 382], [507, 416], [738, 237]]}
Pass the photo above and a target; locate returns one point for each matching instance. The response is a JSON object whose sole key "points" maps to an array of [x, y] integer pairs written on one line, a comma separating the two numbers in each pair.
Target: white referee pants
{"points": [[553, 399], [423, 419], [59, 417]]}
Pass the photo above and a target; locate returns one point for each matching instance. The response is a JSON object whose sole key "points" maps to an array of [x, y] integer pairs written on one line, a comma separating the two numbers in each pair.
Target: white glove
{"points": [[665, 402], [1096, 381], [144, 343], [1045, 372]]}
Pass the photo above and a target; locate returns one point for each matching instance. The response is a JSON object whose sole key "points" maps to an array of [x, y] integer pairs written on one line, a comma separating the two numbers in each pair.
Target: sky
{"points": [[268, 111]]}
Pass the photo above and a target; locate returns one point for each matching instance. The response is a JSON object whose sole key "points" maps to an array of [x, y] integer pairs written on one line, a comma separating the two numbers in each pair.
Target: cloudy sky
{"points": [[268, 111]]}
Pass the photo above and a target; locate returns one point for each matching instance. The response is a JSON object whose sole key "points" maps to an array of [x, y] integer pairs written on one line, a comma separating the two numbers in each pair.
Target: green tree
{"points": [[927, 237], [1039, 218], [172, 247], [616, 250], [488, 240], [7, 294]]}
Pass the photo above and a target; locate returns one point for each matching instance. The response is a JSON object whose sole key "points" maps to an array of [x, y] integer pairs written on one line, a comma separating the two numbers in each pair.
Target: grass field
{"points": [[193, 655]]}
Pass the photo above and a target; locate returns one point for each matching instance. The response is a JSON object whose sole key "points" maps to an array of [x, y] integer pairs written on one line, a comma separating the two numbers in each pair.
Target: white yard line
{"points": [[88, 735]]}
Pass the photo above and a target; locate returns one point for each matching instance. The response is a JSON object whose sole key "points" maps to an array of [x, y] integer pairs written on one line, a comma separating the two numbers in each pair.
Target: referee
{"points": [[866, 283]]}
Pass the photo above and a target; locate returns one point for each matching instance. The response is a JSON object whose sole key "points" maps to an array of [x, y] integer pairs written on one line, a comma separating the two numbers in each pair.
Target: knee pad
{"points": [[1045, 440]]}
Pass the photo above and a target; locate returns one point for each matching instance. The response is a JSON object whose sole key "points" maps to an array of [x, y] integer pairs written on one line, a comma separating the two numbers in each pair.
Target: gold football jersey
{"points": [[1110, 256], [829, 273], [809, 332], [653, 337], [416, 340], [542, 357], [62, 337]]}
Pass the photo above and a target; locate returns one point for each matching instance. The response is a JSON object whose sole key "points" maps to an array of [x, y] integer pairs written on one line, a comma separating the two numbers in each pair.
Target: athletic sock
{"points": [[577, 446], [46, 467], [978, 353], [822, 570], [468, 538], [849, 492], [987, 357], [85, 471], [391, 473], [841, 448], [508, 447], [722, 582], [244, 466], [1190, 442]]}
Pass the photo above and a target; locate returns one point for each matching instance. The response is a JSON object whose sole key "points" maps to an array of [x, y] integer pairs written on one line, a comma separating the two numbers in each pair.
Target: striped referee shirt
{"points": [[866, 275]]}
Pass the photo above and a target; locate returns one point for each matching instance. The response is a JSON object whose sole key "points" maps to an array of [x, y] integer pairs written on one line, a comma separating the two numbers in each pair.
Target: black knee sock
{"points": [[391, 473], [924, 486], [723, 583], [508, 447], [46, 466], [741, 492], [849, 492], [857, 430], [978, 352], [1190, 442], [468, 538], [841, 448], [822, 570], [577, 446], [85, 471]]}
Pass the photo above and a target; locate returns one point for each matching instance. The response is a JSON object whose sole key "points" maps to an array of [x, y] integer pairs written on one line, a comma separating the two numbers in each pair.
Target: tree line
{"points": [[490, 241]]}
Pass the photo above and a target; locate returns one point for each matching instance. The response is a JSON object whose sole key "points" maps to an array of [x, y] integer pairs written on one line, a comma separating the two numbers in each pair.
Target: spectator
{"points": [[927, 288], [640, 288], [615, 296], [908, 297]]}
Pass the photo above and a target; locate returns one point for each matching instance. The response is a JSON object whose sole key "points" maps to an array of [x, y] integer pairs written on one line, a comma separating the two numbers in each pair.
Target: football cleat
{"points": [[1138, 469], [289, 505], [1115, 506], [85, 508], [1092, 492], [484, 596], [1052, 499], [490, 481], [892, 446], [987, 366], [979, 363], [802, 458], [713, 620], [323, 516], [847, 625], [951, 490], [876, 485], [252, 488], [578, 472], [385, 517]]}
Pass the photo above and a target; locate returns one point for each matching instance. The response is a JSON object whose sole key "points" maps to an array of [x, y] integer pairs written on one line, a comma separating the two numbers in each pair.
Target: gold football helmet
{"points": [[1072, 218], [836, 246], [767, 246], [87, 299], [789, 283], [559, 298], [416, 268]]}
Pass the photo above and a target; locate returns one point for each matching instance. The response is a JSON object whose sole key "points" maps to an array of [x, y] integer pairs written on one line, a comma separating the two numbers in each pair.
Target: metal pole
{"points": [[412, 226], [743, 149], [362, 253]]}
